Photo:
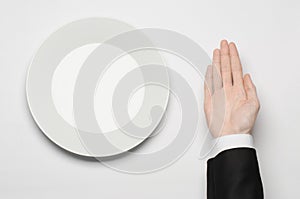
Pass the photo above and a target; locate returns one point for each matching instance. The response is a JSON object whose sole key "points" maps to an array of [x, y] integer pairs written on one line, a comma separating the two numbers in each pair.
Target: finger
{"points": [[209, 79], [236, 66], [250, 88], [208, 86], [217, 78], [225, 64]]}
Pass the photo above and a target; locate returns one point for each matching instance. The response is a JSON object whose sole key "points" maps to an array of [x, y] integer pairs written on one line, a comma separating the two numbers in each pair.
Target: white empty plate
{"points": [[71, 83]]}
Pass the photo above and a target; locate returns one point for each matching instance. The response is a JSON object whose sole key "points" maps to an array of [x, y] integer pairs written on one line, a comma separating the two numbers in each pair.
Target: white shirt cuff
{"points": [[231, 141]]}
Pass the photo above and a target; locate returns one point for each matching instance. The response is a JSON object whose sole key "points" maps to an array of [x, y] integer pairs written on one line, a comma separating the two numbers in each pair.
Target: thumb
{"points": [[250, 88]]}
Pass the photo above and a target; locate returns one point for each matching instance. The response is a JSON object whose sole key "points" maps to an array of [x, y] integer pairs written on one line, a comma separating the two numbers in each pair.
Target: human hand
{"points": [[231, 103]]}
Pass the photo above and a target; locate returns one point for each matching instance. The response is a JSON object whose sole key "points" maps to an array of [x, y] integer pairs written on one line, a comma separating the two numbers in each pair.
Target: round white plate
{"points": [[75, 123]]}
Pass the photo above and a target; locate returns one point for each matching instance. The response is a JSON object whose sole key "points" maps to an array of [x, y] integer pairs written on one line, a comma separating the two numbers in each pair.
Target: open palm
{"points": [[231, 103]]}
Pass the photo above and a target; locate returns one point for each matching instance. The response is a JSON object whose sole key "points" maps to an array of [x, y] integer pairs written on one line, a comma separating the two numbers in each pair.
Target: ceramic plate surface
{"points": [[63, 94]]}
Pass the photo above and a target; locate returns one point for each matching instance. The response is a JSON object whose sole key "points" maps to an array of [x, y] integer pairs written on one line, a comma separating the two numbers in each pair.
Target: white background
{"points": [[267, 33]]}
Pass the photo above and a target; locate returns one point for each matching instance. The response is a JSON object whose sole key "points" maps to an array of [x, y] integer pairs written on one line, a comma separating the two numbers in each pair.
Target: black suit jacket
{"points": [[234, 174]]}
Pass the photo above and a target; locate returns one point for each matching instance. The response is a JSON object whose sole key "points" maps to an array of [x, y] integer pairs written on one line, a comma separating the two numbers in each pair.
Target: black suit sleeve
{"points": [[234, 174]]}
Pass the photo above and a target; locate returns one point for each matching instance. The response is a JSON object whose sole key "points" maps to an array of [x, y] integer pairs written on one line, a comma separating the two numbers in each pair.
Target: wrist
{"points": [[231, 141]]}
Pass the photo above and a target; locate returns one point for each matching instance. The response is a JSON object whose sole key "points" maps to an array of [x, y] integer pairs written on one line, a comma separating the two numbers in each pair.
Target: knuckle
{"points": [[248, 89], [257, 104]]}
